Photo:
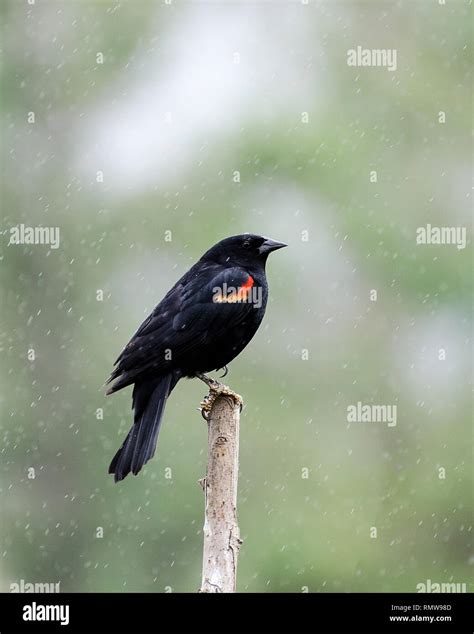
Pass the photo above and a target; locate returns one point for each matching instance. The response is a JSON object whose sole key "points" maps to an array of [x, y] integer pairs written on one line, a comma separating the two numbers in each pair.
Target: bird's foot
{"points": [[216, 389]]}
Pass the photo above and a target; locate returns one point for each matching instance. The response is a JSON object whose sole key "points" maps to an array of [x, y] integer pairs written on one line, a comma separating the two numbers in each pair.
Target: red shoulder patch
{"points": [[249, 283]]}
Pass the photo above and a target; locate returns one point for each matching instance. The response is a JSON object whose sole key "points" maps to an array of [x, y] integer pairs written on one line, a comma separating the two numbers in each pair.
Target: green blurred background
{"points": [[149, 141]]}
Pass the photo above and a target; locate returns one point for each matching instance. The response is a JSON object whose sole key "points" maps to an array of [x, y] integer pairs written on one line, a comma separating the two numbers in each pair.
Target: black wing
{"points": [[183, 321]]}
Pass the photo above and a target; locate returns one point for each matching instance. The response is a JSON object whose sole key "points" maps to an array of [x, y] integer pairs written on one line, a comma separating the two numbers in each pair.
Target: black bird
{"points": [[202, 323]]}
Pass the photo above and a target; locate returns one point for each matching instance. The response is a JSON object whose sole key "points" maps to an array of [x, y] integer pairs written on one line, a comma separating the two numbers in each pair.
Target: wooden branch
{"points": [[221, 532]]}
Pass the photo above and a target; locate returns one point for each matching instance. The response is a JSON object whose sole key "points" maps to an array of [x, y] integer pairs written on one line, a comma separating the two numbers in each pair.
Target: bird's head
{"points": [[244, 250]]}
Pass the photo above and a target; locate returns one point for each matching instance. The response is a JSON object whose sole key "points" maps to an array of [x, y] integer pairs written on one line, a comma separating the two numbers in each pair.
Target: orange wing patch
{"points": [[232, 295], [248, 283]]}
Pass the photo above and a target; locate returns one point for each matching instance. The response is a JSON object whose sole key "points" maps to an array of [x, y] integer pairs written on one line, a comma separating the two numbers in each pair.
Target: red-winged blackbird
{"points": [[203, 322]]}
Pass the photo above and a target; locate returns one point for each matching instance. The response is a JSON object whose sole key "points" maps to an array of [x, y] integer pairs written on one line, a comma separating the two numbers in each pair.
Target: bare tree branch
{"points": [[221, 532]]}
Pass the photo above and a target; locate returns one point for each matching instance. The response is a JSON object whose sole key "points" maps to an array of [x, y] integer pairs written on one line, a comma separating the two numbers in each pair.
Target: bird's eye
{"points": [[246, 244]]}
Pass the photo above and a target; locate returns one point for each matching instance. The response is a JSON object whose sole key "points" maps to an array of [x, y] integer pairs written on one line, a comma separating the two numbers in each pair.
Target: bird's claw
{"points": [[217, 389]]}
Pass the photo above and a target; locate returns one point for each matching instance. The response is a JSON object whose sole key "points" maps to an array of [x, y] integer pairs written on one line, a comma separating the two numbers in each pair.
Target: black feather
{"points": [[149, 400]]}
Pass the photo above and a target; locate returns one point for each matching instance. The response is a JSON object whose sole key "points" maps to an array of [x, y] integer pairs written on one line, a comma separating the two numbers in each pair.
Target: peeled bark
{"points": [[221, 532]]}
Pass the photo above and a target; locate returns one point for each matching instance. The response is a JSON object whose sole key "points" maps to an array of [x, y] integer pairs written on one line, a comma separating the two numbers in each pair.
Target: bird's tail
{"points": [[149, 399]]}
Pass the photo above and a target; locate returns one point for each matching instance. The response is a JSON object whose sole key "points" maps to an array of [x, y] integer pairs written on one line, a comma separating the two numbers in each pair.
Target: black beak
{"points": [[271, 245]]}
